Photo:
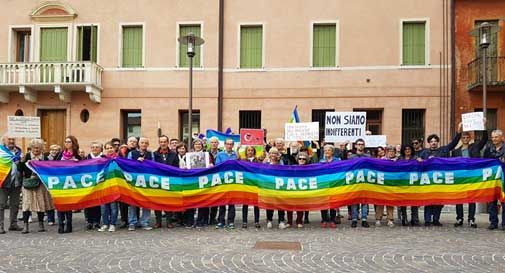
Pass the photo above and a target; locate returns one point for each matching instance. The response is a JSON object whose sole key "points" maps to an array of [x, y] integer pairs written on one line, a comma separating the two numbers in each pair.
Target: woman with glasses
{"points": [[70, 153], [330, 219], [250, 156]]}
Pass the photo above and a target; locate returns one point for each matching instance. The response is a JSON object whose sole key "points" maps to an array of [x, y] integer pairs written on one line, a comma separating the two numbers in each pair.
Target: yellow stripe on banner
{"points": [[222, 188], [381, 189]]}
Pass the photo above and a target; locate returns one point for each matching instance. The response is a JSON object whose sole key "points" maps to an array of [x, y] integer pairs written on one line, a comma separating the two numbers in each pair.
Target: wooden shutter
{"points": [[132, 46], [251, 43], [414, 43], [324, 45], [183, 56]]}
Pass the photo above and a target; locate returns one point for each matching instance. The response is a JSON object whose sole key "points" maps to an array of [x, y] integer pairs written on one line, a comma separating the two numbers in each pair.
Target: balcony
{"points": [[495, 74], [61, 78]]}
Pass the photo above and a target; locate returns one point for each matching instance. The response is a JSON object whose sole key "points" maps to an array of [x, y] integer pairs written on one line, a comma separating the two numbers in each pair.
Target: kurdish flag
{"points": [[75, 185], [222, 137], [6, 158]]}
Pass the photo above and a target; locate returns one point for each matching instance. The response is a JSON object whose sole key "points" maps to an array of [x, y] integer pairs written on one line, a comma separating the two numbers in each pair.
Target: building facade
{"points": [[102, 69], [470, 14]]}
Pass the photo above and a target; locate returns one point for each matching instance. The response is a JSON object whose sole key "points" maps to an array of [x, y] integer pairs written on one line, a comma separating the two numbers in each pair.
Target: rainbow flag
{"points": [[75, 185], [295, 118], [6, 158]]}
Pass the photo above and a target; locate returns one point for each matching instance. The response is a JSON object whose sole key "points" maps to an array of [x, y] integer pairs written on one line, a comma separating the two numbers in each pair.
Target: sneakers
{"points": [[257, 225], [147, 228], [365, 224], [112, 228], [219, 226], [354, 224], [390, 223], [131, 228], [378, 223], [282, 225], [472, 224], [269, 224], [103, 228], [299, 226], [231, 226], [324, 224], [333, 225], [50, 223], [458, 223], [492, 227], [437, 224], [244, 225]]}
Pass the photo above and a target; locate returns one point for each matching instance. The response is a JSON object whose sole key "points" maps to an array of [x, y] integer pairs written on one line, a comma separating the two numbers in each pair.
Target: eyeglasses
{"points": [[360, 144], [68, 141], [116, 144], [301, 158], [415, 143]]}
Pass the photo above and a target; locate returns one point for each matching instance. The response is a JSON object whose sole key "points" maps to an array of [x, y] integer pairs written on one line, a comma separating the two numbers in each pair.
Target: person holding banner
{"points": [[275, 159], [432, 213], [109, 211], [36, 198], [168, 157], [203, 213], [227, 154], [468, 150], [250, 156], [408, 153], [54, 151], [11, 187], [140, 155], [70, 153], [214, 149], [379, 209], [496, 150], [93, 214], [330, 219], [303, 159], [360, 152]]}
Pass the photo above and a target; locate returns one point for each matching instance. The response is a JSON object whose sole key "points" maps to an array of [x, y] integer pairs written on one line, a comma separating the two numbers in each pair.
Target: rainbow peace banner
{"points": [[75, 185], [5, 163]]}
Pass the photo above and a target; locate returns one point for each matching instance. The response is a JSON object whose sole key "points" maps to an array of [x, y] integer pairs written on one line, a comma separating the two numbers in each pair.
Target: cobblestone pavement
{"points": [[377, 249]]}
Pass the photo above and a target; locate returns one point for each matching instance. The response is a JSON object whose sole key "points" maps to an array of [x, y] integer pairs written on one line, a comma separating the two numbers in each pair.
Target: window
{"points": [[319, 115], [183, 124], [250, 119], [183, 56], [412, 124], [492, 54], [87, 43], [324, 45], [491, 124], [414, 43], [53, 44], [132, 121], [373, 120], [132, 46], [22, 45], [251, 43]]}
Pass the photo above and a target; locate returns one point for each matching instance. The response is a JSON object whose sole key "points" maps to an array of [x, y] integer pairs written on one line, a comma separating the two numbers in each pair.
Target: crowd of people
{"points": [[21, 181]]}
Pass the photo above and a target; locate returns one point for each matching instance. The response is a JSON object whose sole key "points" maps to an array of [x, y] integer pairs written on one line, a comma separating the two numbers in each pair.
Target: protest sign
{"points": [[301, 131], [342, 126], [196, 160], [251, 136], [20, 126], [473, 121], [374, 141]]}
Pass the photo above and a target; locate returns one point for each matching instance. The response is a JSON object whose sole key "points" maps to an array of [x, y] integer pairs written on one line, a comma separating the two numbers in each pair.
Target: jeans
{"points": [[109, 213], [492, 209], [50, 216], [432, 213], [414, 214], [364, 212], [65, 217], [13, 195], [471, 212], [280, 213], [203, 216], [133, 219], [245, 211], [231, 214]]}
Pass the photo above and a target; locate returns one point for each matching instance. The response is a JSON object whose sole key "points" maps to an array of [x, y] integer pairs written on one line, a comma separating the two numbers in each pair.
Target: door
{"points": [[53, 129]]}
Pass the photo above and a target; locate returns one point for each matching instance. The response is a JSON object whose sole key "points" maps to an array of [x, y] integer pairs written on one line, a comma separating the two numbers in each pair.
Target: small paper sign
{"points": [[473, 121], [303, 131], [196, 160], [21, 126], [375, 141], [251, 136]]}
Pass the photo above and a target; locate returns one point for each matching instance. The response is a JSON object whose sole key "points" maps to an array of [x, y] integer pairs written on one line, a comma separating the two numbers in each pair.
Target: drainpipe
{"points": [[220, 68], [453, 66]]}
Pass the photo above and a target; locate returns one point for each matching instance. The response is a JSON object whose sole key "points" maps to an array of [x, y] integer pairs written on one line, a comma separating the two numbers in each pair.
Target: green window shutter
{"points": [[324, 45], [94, 41], [251, 47], [132, 46], [80, 38], [53, 44], [183, 56], [414, 43]]}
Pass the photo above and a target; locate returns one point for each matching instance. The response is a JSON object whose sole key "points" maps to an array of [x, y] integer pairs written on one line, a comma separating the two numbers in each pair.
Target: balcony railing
{"points": [[495, 67], [63, 78]]}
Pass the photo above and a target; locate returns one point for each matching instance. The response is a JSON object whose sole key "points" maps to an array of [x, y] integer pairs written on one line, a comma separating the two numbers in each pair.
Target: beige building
{"points": [[102, 69]]}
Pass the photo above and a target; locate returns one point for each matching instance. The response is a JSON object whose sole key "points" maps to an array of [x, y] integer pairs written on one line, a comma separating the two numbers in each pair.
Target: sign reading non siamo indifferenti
{"points": [[20, 126], [343, 126]]}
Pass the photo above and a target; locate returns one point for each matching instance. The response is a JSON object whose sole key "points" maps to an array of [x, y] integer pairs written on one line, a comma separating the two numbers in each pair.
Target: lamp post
{"points": [[191, 41], [483, 32]]}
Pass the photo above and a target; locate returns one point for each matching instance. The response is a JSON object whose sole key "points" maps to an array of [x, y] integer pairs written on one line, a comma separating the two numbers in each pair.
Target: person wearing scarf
{"points": [[11, 188]]}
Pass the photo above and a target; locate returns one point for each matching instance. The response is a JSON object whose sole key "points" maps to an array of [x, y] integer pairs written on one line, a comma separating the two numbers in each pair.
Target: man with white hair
{"points": [[496, 150], [11, 187]]}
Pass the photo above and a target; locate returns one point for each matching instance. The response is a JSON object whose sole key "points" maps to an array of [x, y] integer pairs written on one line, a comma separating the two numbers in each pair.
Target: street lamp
{"points": [[191, 41], [483, 32]]}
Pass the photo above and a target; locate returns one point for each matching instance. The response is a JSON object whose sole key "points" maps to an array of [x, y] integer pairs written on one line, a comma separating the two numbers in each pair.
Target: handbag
{"points": [[31, 183]]}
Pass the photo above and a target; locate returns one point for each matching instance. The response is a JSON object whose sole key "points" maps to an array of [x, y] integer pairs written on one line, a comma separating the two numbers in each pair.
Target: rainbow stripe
{"points": [[5, 163], [313, 187]]}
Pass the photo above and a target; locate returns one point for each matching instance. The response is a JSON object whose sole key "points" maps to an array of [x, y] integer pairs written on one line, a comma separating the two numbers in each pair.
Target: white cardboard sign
{"points": [[342, 126], [301, 131], [375, 141], [21, 126], [473, 121]]}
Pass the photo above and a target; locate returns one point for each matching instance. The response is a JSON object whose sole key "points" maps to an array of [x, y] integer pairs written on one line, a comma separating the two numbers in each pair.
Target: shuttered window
{"points": [[251, 43], [87, 43], [319, 115], [324, 45], [53, 44], [414, 43], [250, 119], [412, 124], [183, 49], [132, 46]]}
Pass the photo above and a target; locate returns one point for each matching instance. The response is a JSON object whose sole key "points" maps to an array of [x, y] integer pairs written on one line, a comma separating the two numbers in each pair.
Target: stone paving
{"points": [[376, 249]]}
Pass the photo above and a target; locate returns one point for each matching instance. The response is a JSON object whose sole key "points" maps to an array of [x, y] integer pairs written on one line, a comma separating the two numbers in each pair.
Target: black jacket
{"points": [[474, 148], [169, 158], [443, 151], [148, 155], [23, 169], [491, 152]]}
